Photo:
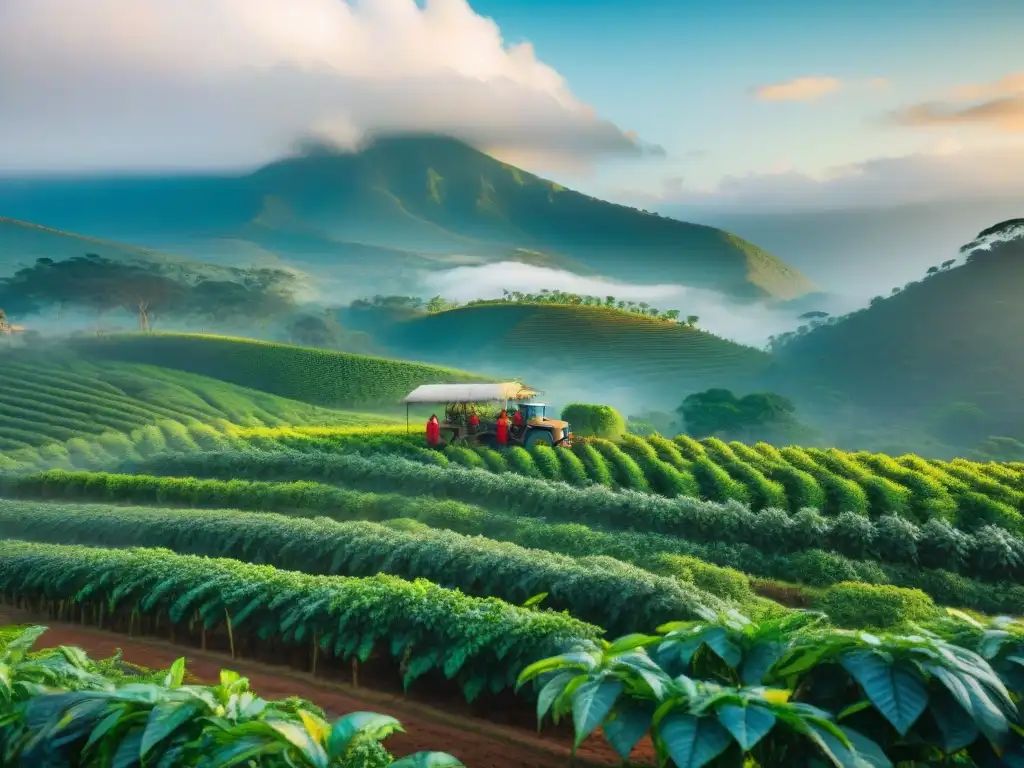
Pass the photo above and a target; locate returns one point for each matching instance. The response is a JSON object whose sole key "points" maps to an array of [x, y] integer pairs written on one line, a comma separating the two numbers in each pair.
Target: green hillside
{"points": [[953, 337], [541, 341], [332, 379], [56, 398], [424, 200]]}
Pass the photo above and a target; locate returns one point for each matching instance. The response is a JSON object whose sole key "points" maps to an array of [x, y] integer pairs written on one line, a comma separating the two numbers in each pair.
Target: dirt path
{"points": [[476, 742]]}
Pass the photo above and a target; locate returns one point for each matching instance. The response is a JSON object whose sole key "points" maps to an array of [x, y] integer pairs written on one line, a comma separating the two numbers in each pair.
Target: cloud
{"points": [[202, 83], [998, 105], [799, 89], [747, 324], [947, 172]]}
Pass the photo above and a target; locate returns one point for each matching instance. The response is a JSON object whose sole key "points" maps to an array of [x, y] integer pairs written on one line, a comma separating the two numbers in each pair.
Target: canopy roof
{"points": [[469, 393]]}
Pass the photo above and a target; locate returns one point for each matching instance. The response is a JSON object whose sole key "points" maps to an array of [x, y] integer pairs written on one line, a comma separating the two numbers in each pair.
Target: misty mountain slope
{"points": [[22, 242], [320, 377], [953, 337], [860, 252], [429, 197], [592, 346]]}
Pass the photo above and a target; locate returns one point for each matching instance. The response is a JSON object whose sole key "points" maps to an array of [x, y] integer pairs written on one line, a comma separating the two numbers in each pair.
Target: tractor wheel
{"points": [[538, 437]]}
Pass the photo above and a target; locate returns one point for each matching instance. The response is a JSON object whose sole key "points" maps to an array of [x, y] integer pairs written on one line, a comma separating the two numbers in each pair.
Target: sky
{"points": [[729, 104]]}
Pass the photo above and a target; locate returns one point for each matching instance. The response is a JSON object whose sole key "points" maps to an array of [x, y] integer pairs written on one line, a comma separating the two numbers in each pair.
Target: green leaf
{"points": [[428, 760], [573, 660], [758, 661], [238, 751], [867, 750], [550, 692], [535, 600], [896, 691], [717, 639], [957, 727], [370, 724], [630, 643], [164, 719], [591, 704], [24, 641], [628, 723], [302, 740], [692, 742], [175, 674], [748, 725], [128, 752]]}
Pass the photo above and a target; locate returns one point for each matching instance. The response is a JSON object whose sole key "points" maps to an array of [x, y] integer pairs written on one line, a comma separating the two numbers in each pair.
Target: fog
{"points": [[750, 324]]}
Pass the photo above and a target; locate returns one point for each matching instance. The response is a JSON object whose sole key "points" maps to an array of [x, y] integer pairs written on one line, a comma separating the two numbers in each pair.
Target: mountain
{"points": [[862, 252], [949, 341], [401, 204], [581, 351]]}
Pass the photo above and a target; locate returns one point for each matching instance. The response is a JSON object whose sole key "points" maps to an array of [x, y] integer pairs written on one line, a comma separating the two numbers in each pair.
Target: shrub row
{"points": [[812, 566], [989, 552], [481, 643], [623, 601]]}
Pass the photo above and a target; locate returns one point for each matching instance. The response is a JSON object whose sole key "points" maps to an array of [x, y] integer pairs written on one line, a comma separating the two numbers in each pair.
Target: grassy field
{"points": [[320, 377], [622, 347], [217, 515]]}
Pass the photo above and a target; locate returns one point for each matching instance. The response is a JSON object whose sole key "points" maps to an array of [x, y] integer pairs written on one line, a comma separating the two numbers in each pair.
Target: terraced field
{"points": [[320, 377], [622, 346]]}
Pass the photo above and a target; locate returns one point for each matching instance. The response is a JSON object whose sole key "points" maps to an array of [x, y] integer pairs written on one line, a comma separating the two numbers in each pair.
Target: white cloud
{"points": [[136, 83], [798, 89], [946, 172], [747, 324]]}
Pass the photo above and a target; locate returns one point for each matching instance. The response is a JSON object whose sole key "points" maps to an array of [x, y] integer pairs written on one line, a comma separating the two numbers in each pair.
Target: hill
{"points": [[951, 338], [331, 379], [56, 397], [22, 242], [594, 347], [426, 200]]}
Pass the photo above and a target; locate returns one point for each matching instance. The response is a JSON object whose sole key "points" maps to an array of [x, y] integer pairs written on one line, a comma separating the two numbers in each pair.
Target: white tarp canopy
{"points": [[469, 393]]}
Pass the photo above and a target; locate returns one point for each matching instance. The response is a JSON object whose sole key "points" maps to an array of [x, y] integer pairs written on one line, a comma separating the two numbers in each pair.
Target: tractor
{"points": [[460, 400]]}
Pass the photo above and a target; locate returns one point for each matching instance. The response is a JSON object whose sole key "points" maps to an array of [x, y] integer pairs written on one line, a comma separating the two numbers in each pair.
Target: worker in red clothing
{"points": [[517, 422], [474, 423], [502, 429], [433, 431]]}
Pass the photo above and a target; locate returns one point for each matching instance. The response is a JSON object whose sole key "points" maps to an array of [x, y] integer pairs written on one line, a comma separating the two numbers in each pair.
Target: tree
{"points": [[692, 320], [948, 263], [815, 315], [932, 270], [720, 412], [672, 314]]}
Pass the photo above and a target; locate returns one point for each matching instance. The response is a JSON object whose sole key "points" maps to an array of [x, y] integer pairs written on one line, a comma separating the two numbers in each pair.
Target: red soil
{"points": [[477, 742]]}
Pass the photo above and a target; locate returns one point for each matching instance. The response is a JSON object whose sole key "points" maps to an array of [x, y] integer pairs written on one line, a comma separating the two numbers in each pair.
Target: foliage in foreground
{"points": [[60, 711], [479, 643], [793, 692]]}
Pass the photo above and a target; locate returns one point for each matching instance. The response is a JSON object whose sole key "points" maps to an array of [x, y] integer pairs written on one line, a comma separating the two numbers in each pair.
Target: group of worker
{"points": [[502, 427]]}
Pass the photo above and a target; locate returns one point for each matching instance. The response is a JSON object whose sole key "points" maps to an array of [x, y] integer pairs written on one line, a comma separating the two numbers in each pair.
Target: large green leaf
{"points": [[692, 742], [895, 690], [164, 719], [758, 660], [300, 738], [371, 724], [549, 692], [957, 727], [718, 640], [428, 760], [628, 723], [238, 749], [591, 704], [748, 725]]}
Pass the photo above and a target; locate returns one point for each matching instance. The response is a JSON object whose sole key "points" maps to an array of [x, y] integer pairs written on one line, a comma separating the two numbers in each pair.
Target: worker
{"points": [[474, 423], [517, 422], [502, 430], [433, 431]]}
